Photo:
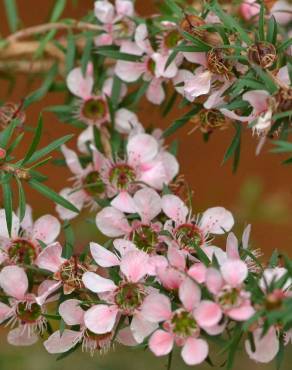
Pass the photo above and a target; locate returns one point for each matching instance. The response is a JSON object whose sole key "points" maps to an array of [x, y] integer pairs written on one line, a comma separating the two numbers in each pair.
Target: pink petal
{"points": [[125, 337], [27, 222], [161, 343], [180, 78], [60, 343], [156, 307], [199, 84], [170, 277], [5, 312], [134, 265], [124, 202], [97, 284], [249, 9], [208, 314], [232, 247], [176, 258], [104, 11], [142, 39], [3, 225], [72, 161], [125, 7], [189, 294], [78, 84], [155, 92], [49, 288], [156, 263], [214, 280], [217, 220], [234, 272], [170, 165], [230, 114], [71, 312], [242, 313], [195, 351], [101, 318], [141, 148], [22, 336], [125, 121], [46, 229], [196, 58], [281, 10], [102, 256], [212, 251], [77, 198], [160, 63], [198, 272], [14, 282], [148, 204], [51, 258], [112, 222], [124, 246], [267, 346], [258, 99], [141, 328], [174, 208]]}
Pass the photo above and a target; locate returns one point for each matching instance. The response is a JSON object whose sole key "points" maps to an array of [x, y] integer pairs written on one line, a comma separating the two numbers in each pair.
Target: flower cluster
{"points": [[162, 279]]}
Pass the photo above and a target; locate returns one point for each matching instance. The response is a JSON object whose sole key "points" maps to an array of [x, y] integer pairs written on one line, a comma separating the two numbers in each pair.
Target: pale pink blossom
{"points": [[23, 246], [266, 346]]}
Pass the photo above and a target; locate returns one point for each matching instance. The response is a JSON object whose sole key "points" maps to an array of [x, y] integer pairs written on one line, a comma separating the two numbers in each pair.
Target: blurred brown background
{"points": [[260, 192]]}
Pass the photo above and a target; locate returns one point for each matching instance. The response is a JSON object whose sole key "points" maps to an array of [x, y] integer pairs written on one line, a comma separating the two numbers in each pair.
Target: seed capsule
{"points": [[263, 54], [217, 61]]}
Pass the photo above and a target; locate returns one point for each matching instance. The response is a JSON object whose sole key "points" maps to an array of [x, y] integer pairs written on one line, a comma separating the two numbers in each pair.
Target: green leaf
{"points": [[262, 23], [7, 201], [114, 53], [285, 45], [272, 30], [12, 14], [181, 121], [21, 199], [116, 91], [234, 144], [176, 10], [35, 141], [269, 83], [200, 45], [42, 91], [48, 149], [69, 240], [43, 43], [51, 194], [282, 146], [86, 54], [7, 133], [71, 52], [97, 139], [57, 10], [229, 22]]}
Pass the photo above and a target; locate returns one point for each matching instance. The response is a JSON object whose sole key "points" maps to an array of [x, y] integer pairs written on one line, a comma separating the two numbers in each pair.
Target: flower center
{"points": [[171, 39], [189, 237], [145, 238], [22, 252], [70, 274], [229, 298], [218, 62], [28, 313], [129, 297], [93, 183], [263, 54], [94, 109], [121, 176], [184, 324]]}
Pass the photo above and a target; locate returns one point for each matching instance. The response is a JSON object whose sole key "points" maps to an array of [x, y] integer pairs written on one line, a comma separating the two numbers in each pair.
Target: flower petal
{"points": [[195, 351], [234, 272], [101, 318], [174, 208], [161, 343], [112, 222], [78, 84], [147, 204], [14, 282], [141, 148], [124, 202], [71, 312], [22, 336], [102, 256], [141, 328], [266, 347], [156, 307], [189, 294], [97, 284], [217, 220], [208, 314], [46, 229], [51, 258], [60, 343], [134, 265]]}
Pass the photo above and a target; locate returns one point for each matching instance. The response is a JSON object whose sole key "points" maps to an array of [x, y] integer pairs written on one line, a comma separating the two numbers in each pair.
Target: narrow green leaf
{"points": [[69, 240], [42, 91], [12, 14], [116, 91], [51, 194], [58, 10], [7, 201], [285, 45], [270, 84], [176, 10], [181, 121], [43, 43], [97, 139], [113, 54], [234, 144], [71, 52], [7, 133], [262, 23], [48, 149], [86, 55], [35, 141], [272, 30], [21, 199]]}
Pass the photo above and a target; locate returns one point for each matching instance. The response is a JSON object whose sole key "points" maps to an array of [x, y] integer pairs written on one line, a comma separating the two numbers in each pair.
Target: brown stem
{"points": [[42, 28]]}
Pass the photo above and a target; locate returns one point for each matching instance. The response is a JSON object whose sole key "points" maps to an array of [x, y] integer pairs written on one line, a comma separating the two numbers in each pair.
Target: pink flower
{"points": [[72, 313], [122, 299], [249, 9], [67, 273], [227, 287], [266, 347], [282, 11], [186, 231], [179, 327], [151, 68], [23, 311], [115, 21], [23, 246]]}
